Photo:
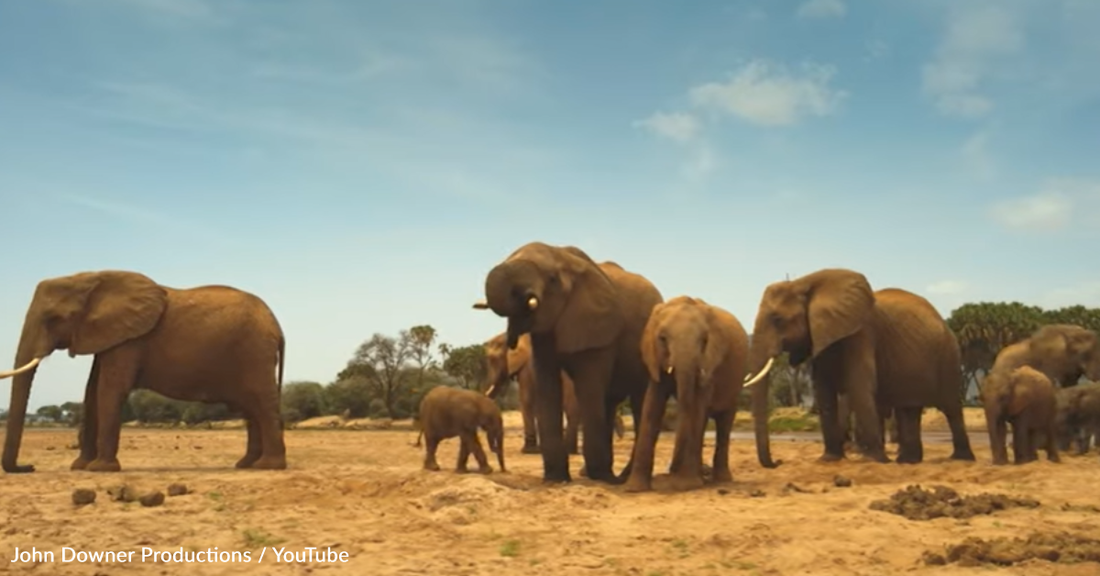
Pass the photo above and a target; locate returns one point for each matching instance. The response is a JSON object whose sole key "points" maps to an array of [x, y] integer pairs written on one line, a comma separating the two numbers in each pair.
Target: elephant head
{"points": [[85, 313], [503, 363], [492, 422], [682, 340], [541, 289], [1065, 352], [802, 317]]}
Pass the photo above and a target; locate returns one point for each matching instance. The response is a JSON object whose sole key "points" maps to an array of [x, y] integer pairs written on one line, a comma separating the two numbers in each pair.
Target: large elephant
{"points": [[446, 412], [584, 318], [888, 349], [505, 364], [1078, 416], [698, 353], [1024, 398], [1064, 352], [205, 344]]}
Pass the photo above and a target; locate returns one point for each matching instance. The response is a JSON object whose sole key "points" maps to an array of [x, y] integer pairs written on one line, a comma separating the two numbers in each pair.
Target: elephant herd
{"points": [[583, 338]]}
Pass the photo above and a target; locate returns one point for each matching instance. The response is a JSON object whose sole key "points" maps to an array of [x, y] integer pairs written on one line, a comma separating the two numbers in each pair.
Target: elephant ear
{"points": [[120, 306], [649, 344], [520, 356], [841, 303], [591, 317]]}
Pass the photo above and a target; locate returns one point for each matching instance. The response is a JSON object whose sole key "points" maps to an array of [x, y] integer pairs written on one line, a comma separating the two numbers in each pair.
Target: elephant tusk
{"points": [[533, 302], [489, 392], [481, 305], [750, 379], [669, 370], [30, 365]]}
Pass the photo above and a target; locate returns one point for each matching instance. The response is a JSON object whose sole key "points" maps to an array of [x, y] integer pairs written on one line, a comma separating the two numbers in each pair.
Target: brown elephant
{"points": [[205, 344], [446, 412], [1077, 416], [698, 353], [1064, 352], [584, 318], [505, 364], [1024, 398], [888, 349]]}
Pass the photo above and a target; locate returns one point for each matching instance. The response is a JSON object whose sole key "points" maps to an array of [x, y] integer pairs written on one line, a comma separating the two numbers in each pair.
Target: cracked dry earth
{"points": [[363, 493]]}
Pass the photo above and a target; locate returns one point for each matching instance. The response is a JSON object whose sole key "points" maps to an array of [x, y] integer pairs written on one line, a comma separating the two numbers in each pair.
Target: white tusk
{"points": [[532, 302], [669, 370], [19, 371], [481, 305], [489, 392], [750, 379]]}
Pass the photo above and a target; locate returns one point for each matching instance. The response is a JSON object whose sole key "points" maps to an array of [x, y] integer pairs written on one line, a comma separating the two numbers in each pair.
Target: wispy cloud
{"points": [[947, 287], [976, 36], [822, 9], [141, 216], [976, 156], [1054, 207], [677, 126], [769, 94]]}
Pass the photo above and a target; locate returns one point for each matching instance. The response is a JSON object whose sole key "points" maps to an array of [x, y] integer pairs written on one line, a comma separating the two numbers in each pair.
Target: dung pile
{"points": [[916, 503], [1060, 547]]}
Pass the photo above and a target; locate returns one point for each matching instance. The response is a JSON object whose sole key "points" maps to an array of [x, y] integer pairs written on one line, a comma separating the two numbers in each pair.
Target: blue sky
{"points": [[362, 164]]}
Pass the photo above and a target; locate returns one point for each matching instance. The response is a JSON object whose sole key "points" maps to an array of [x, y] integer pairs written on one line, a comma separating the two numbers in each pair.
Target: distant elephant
{"points": [[1064, 352], [206, 344], [584, 318], [446, 412], [698, 353], [1023, 397], [505, 364], [1078, 416], [888, 349]]}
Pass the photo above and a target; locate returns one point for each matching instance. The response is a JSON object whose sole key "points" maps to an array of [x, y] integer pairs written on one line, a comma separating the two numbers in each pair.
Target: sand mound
{"points": [[1061, 547], [465, 501], [915, 503]]}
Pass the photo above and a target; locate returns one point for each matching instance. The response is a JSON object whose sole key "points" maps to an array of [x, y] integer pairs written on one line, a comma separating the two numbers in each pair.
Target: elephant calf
{"points": [[446, 412], [697, 353], [1078, 416], [1025, 398]]}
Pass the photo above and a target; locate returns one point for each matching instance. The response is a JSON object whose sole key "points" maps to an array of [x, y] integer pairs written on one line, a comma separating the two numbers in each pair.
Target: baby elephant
{"points": [[446, 412], [1023, 397], [697, 353], [1078, 416]]}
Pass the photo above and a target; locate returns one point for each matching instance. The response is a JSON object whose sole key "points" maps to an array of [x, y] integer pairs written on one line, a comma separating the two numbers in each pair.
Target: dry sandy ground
{"points": [[363, 493]]}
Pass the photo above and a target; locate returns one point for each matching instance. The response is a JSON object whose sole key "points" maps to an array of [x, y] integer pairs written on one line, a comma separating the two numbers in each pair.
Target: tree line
{"points": [[387, 376]]}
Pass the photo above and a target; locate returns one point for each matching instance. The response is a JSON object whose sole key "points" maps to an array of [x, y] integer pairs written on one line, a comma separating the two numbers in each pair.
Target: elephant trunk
{"points": [[762, 355], [691, 403], [513, 290], [34, 345]]}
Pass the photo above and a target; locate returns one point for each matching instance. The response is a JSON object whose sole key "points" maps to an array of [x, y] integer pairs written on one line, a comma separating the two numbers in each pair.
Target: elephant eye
{"points": [[703, 341]]}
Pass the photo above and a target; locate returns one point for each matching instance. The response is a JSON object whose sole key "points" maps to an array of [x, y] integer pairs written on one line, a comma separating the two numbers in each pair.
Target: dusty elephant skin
{"points": [[1024, 398], [888, 349], [205, 344], [1064, 352], [447, 412], [586, 319], [697, 353], [1077, 417]]}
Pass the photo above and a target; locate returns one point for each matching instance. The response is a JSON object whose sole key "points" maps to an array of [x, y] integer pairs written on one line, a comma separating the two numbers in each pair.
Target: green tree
{"points": [[74, 413], [466, 364], [303, 400], [420, 340], [51, 412], [349, 396]]}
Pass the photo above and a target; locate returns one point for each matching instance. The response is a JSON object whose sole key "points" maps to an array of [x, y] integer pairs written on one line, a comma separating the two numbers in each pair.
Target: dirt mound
{"points": [[1061, 547], [464, 502], [916, 503]]}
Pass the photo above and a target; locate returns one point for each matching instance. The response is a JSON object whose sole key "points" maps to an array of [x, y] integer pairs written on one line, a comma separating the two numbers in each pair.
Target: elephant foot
{"points": [[461, 470], [830, 457], [722, 477], [530, 449], [269, 463], [431, 466], [485, 470], [80, 463], [246, 461], [680, 483], [637, 484], [99, 465], [966, 455]]}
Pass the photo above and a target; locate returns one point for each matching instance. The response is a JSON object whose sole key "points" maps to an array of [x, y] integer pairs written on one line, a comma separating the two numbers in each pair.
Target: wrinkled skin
{"points": [[1064, 352], [505, 364], [696, 353], [208, 344], [587, 320], [1024, 398], [888, 349], [1077, 417], [446, 412]]}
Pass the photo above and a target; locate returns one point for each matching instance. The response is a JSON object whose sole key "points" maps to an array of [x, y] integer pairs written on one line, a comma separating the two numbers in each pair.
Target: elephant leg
{"points": [[867, 419], [723, 426], [479, 453], [255, 445], [431, 444], [265, 411], [548, 407], [960, 440], [826, 400], [998, 430], [645, 437], [116, 378], [527, 409], [1019, 441], [637, 400], [463, 453], [89, 425], [910, 449], [591, 379], [1051, 445]]}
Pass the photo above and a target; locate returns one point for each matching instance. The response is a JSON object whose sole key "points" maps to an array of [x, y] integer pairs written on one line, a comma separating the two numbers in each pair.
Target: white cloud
{"points": [[1052, 208], [770, 95], [947, 287], [976, 156], [822, 9], [677, 126], [976, 36]]}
